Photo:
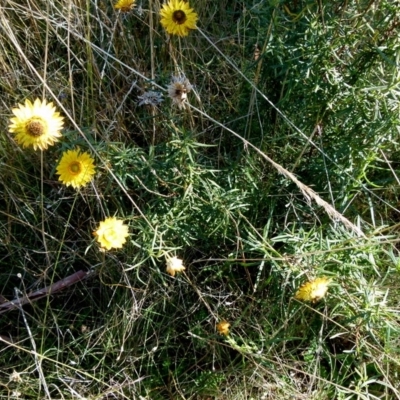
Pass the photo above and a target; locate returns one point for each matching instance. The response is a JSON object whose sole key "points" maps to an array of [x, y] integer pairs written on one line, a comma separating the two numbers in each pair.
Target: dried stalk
{"points": [[47, 291], [307, 192]]}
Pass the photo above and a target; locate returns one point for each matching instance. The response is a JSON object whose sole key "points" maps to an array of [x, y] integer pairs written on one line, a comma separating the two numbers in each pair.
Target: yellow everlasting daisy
{"points": [[111, 233], [174, 265], [223, 328], [124, 5], [178, 18], [36, 124], [76, 169], [313, 290]]}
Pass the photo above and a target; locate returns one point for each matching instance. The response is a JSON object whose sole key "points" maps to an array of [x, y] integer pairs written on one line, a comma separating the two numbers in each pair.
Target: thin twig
{"points": [[46, 291]]}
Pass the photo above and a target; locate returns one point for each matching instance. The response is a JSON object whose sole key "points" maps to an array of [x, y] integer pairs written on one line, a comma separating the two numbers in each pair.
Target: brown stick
{"points": [[47, 291]]}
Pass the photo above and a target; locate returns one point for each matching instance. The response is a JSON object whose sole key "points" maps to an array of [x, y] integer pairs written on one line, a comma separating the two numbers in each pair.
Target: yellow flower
{"points": [[174, 265], [124, 5], [223, 327], [111, 233], [36, 124], [178, 90], [313, 290], [177, 17], [75, 168]]}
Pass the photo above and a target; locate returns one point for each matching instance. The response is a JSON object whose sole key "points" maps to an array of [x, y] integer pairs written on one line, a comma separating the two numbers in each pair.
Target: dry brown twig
{"points": [[46, 291]]}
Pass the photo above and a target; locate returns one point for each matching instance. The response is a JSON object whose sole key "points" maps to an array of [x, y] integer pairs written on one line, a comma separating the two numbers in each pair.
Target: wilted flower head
{"points": [[313, 290], [223, 327], [150, 98], [125, 5], [111, 233], [37, 125], [177, 17], [178, 90], [15, 377], [174, 265]]}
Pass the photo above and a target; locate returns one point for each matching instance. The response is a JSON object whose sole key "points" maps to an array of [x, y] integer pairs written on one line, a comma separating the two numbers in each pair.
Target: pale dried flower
{"points": [[15, 377], [178, 90], [174, 265], [150, 98]]}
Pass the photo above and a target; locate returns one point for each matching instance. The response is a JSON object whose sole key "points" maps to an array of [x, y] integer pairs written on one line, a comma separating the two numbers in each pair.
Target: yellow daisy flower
{"points": [[223, 328], [178, 18], [174, 265], [124, 5], [36, 124], [111, 233], [76, 169], [313, 290]]}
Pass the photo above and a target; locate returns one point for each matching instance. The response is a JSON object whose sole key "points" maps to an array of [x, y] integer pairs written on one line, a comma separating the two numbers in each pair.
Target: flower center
{"points": [[111, 235], [179, 17], [35, 127], [75, 168], [181, 93]]}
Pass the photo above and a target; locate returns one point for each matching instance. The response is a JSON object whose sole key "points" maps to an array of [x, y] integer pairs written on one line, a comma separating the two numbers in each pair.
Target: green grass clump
{"points": [[280, 167]]}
